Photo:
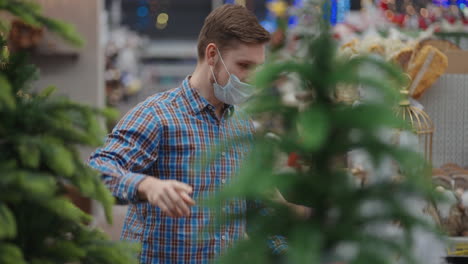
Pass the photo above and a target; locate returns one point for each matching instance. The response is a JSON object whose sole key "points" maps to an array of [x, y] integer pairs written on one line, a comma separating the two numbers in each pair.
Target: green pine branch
{"points": [[40, 138], [30, 13]]}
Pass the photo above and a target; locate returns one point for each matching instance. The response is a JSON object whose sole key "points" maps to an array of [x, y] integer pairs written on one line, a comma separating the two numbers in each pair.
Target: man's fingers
{"points": [[178, 202], [171, 207], [187, 198], [172, 197], [180, 186], [164, 208]]}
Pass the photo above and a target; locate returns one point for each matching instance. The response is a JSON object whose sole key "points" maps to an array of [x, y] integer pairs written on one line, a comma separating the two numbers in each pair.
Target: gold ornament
{"points": [[279, 8], [420, 123]]}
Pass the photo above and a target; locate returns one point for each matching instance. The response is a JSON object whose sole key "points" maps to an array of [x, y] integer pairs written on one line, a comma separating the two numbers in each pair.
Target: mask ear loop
{"points": [[221, 57], [212, 73]]}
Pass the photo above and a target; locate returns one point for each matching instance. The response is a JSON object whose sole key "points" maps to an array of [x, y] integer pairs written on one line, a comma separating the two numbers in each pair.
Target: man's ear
{"points": [[211, 54]]}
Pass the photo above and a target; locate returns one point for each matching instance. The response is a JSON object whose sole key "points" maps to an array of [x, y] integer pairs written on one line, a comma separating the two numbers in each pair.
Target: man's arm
{"points": [[130, 149], [302, 212]]}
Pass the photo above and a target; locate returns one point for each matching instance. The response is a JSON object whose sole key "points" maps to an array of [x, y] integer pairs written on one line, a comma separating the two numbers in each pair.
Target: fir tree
{"points": [[321, 131], [40, 136]]}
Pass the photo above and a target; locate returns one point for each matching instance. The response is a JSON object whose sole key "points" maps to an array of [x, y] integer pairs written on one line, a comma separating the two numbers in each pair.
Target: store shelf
{"points": [[170, 50], [55, 55]]}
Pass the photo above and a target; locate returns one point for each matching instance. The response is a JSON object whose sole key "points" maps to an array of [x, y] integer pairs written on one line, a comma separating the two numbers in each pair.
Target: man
{"points": [[150, 160]]}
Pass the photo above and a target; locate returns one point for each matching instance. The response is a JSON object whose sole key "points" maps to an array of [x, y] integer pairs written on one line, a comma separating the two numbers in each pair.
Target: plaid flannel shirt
{"points": [[163, 137]]}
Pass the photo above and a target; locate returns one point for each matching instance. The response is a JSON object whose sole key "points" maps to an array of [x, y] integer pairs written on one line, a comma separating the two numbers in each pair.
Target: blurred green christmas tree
{"points": [[349, 223], [40, 161]]}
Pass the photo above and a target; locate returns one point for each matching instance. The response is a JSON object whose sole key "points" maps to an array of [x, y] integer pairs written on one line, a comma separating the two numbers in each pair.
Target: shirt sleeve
{"points": [[278, 244], [129, 150]]}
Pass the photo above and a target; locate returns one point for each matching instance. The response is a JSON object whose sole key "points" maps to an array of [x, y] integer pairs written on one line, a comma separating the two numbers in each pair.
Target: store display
{"points": [[423, 62], [451, 180], [427, 65], [122, 73], [444, 15], [451, 214]]}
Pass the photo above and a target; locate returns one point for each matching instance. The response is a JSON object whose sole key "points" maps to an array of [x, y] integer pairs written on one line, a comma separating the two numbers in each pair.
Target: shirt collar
{"points": [[197, 102]]}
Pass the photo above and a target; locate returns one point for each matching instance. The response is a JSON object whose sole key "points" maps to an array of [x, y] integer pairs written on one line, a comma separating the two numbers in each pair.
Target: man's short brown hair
{"points": [[228, 25]]}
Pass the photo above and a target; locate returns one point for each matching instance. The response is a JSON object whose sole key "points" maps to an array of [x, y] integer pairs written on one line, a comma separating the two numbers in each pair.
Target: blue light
{"points": [[343, 7], [270, 26], [444, 3], [143, 23], [292, 21], [461, 4], [334, 12], [269, 23], [142, 11], [347, 6], [298, 3]]}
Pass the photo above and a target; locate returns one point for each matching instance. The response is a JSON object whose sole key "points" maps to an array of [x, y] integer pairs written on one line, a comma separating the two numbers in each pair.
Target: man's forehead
{"points": [[249, 54], [250, 60]]}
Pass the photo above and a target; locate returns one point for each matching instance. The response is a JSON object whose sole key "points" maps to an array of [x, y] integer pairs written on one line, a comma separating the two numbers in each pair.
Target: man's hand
{"points": [[302, 212], [172, 197]]}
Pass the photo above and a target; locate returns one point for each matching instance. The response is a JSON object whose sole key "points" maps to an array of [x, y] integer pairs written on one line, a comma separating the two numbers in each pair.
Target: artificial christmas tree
{"points": [[40, 136]]}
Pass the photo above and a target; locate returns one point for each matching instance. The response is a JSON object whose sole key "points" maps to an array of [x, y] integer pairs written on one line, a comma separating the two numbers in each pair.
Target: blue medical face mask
{"points": [[235, 91]]}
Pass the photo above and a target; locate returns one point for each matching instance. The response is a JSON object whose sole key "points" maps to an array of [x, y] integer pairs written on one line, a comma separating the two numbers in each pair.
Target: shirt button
{"points": [[223, 181], [124, 194], [223, 237], [223, 154]]}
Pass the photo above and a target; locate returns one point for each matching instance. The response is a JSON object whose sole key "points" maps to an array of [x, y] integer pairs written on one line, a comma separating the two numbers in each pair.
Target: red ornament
{"points": [[383, 5], [451, 20], [422, 23], [292, 160], [399, 19]]}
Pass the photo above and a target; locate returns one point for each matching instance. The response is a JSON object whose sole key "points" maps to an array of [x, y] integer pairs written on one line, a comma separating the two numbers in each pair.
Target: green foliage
{"points": [[321, 132], [30, 12], [40, 138], [7, 220]]}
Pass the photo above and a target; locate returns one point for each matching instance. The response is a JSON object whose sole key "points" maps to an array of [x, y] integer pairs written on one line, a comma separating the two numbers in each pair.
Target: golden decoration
{"points": [[279, 8], [420, 122]]}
